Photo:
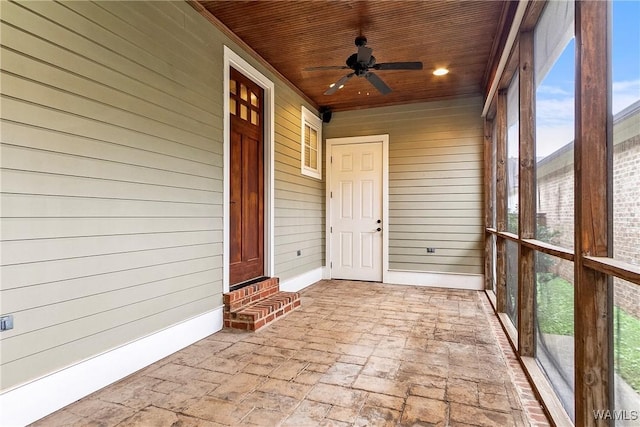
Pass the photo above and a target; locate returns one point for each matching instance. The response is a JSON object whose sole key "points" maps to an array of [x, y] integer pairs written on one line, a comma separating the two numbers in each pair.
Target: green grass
{"points": [[626, 339], [555, 306], [555, 316]]}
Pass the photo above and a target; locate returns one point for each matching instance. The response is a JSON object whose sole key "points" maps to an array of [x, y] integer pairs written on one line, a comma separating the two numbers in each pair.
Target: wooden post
{"points": [[488, 204], [593, 295], [526, 198], [501, 201]]}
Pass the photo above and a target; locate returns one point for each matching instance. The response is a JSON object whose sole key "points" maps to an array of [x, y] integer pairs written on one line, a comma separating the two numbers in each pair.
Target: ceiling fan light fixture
{"points": [[440, 72], [332, 85], [341, 86]]}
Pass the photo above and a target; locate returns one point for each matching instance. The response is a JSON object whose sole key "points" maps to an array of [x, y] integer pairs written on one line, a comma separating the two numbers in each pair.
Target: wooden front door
{"points": [[246, 222]]}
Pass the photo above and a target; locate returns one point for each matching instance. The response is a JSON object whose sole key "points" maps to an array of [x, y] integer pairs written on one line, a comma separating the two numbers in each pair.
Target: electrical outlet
{"points": [[6, 323], [431, 250], [299, 252]]}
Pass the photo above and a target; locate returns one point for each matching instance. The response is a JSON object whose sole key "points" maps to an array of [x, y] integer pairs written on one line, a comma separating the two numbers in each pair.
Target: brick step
{"points": [[253, 306], [243, 297], [260, 313]]}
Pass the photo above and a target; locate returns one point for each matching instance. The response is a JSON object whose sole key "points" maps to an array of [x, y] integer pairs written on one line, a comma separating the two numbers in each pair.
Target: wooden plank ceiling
{"points": [[462, 36]]}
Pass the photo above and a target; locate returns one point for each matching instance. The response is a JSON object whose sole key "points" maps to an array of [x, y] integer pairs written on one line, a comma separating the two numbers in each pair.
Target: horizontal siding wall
{"points": [[112, 176], [299, 200], [435, 181], [111, 179]]}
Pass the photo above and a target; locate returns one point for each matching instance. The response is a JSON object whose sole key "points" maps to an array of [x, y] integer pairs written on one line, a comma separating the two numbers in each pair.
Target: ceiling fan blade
{"points": [[398, 66], [337, 85], [364, 54], [327, 67], [378, 83]]}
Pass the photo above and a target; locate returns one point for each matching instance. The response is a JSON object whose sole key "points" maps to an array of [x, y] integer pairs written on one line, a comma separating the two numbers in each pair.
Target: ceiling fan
{"points": [[362, 63]]}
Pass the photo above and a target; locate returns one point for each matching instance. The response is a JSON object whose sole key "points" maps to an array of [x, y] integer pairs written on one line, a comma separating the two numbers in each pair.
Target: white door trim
{"points": [[385, 195], [232, 59]]}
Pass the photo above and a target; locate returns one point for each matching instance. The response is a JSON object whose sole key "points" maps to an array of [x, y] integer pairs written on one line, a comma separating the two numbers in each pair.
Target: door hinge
{"points": [[331, 264], [331, 194], [330, 229], [331, 160]]}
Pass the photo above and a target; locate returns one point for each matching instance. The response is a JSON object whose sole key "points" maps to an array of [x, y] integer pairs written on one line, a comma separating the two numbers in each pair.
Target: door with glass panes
{"points": [[246, 222]]}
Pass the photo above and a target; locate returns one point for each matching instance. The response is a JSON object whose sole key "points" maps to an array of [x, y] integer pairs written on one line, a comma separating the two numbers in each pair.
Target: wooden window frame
{"points": [[594, 384], [526, 197], [314, 122], [594, 265]]}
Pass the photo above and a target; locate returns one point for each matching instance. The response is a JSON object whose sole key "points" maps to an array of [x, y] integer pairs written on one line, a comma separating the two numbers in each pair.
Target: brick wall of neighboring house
{"points": [[556, 204], [626, 212], [555, 194]]}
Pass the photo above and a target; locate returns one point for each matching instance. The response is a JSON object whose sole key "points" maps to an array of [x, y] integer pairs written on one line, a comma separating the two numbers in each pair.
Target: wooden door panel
{"points": [[252, 229], [235, 200]]}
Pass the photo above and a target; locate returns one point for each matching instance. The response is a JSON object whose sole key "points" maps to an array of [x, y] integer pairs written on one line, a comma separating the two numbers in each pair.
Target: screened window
{"points": [[311, 144], [512, 282], [555, 326], [626, 342], [513, 153], [492, 258], [625, 104], [554, 55], [494, 171]]}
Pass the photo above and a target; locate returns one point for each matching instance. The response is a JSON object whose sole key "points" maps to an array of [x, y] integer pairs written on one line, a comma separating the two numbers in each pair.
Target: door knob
{"points": [[378, 229], [378, 221]]}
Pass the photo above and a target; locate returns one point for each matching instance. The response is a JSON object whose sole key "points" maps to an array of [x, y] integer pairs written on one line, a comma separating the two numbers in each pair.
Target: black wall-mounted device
{"points": [[325, 114]]}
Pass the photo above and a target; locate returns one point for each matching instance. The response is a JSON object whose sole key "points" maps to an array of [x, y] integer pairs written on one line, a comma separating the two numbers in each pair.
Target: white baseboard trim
{"points": [[473, 282], [303, 280], [34, 400]]}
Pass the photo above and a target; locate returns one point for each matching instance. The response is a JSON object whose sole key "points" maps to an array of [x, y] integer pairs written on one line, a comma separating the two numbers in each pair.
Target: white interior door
{"points": [[356, 211]]}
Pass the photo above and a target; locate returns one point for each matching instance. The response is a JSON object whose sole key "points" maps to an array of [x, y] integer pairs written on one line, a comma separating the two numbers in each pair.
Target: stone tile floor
{"points": [[355, 353]]}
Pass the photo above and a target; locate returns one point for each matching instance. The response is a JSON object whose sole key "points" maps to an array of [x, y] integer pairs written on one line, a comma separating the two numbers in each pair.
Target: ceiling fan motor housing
{"points": [[360, 68], [361, 41]]}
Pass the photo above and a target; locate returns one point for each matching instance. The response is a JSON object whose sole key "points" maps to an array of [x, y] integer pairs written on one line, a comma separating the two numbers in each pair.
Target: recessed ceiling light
{"points": [[440, 72]]}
